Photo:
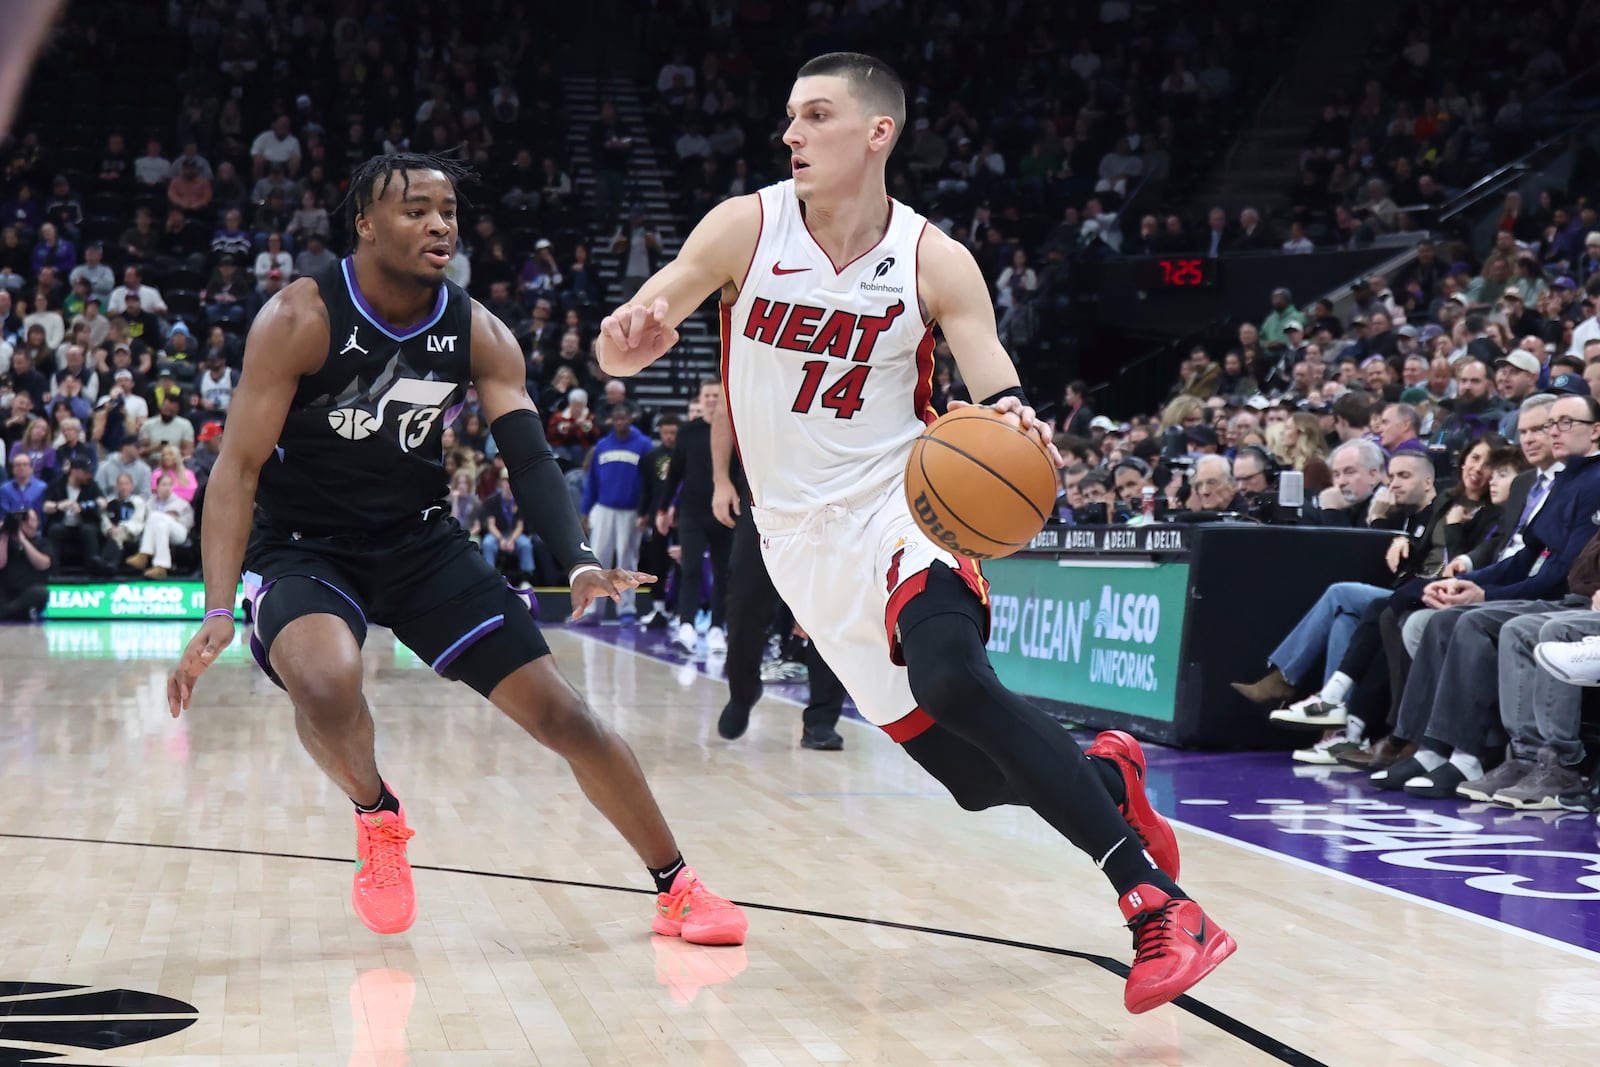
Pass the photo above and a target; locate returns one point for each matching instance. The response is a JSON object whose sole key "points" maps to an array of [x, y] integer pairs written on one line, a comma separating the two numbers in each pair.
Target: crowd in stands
{"points": [[1382, 160], [137, 246], [1455, 407], [1028, 129]]}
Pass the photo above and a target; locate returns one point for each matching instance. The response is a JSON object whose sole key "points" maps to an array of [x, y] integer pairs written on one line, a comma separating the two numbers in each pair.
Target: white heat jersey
{"points": [[828, 372]]}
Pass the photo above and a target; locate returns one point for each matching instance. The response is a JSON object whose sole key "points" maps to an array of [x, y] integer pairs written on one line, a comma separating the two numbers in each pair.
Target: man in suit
{"points": [[1528, 491], [1450, 696]]}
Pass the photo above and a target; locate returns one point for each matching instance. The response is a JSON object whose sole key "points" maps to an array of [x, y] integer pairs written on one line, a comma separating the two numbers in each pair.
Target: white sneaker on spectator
{"points": [[685, 637], [717, 641], [1312, 711], [1573, 662], [1326, 752]]}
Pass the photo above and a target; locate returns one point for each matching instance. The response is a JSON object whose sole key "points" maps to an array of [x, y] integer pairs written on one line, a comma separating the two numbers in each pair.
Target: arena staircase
{"points": [[668, 384], [1260, 168]]}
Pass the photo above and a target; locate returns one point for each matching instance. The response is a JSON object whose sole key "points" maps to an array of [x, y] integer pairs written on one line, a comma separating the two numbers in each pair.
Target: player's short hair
{"points": [[874, 84], [370, 180]]}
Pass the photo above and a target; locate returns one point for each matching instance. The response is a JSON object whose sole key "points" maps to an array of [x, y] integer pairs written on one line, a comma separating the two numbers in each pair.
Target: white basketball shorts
{"points": [[846, 570]]}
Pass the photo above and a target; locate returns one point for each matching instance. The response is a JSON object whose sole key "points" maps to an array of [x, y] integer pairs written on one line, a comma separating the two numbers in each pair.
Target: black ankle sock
{"points": [[387, 801], [1112, 777], [665, 875], [1128, 865]]}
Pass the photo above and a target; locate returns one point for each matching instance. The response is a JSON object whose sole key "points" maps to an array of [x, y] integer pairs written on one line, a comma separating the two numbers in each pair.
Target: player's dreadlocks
{"points": [[370, 181]]}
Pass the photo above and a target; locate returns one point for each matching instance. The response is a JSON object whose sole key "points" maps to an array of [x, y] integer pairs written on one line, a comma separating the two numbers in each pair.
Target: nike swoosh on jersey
{"points": [[585, 547], [788, 270]]}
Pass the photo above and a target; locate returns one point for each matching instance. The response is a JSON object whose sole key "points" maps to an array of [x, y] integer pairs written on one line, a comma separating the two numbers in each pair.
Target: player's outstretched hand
{"points": [[214, 636], [591, 585], [725, 503], [1019, 414], [639, 330]]}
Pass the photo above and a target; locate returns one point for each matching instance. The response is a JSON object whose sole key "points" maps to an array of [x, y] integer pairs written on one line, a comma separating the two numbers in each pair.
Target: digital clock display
{"points": [[1184, 272]]}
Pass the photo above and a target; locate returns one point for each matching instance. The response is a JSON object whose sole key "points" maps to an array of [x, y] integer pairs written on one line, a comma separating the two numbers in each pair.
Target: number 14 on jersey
{"points": [[843, 397]]}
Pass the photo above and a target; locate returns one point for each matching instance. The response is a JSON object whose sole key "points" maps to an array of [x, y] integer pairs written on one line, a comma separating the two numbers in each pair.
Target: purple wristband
{"points": [[219, 613]]}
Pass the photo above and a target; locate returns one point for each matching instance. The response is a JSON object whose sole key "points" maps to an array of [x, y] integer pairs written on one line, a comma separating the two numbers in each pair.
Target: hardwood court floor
{"points": [[207, 861]]}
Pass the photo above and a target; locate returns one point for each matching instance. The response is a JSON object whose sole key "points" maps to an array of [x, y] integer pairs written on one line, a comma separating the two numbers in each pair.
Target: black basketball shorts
{"points": [[427, 582]]}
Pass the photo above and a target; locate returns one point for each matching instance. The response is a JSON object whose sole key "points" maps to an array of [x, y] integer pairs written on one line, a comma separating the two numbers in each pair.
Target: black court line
{"points": [[1221, 1020]]}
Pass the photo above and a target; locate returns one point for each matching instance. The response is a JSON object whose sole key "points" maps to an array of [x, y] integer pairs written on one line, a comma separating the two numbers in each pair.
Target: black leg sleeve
{"points": [[952, 680]]}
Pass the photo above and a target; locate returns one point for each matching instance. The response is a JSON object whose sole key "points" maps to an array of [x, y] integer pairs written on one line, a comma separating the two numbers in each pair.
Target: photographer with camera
{"points": [[73, 506], [24, 567]]}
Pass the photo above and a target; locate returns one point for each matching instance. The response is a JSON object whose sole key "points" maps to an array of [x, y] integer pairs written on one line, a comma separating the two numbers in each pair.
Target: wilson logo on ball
{"points": [[979, 486], [929, 519]]}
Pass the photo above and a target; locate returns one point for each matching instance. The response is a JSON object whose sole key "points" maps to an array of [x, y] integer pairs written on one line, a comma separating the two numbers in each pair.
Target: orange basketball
{"points": [[978, 486]]}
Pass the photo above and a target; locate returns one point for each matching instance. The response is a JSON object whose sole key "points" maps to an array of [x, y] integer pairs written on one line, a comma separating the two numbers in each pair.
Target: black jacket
{"points": [[690, 471]]}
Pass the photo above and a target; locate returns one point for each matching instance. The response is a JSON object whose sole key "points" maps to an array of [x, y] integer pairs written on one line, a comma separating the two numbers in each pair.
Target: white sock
{"points": [[1337, 688], [1430, 760], [1354, 728], [1467, 764]]}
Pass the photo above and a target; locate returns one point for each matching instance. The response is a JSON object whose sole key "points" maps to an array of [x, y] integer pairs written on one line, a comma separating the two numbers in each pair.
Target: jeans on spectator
{"points": [[615, 533], [161, 533], [1412, 628], [524, 548], [1451, 693], [1324, 633], [1537, 710], [27, 604]]}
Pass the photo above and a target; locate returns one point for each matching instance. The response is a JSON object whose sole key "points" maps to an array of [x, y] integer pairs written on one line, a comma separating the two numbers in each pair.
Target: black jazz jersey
{"points": [[360, 449]]}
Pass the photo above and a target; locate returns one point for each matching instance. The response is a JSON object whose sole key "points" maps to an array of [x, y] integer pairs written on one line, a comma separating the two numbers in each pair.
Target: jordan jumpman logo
{"points": [[351, 345]]}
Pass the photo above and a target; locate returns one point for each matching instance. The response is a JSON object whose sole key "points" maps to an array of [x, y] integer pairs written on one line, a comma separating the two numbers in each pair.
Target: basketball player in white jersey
{"points": [[830, 293]]}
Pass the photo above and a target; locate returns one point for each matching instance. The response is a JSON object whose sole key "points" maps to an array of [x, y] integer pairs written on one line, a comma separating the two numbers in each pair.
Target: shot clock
{"points": [[1178, 272]]}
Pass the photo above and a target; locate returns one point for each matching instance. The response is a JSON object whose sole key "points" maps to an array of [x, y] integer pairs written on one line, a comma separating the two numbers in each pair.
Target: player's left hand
{"points": [[591, 585], [214, 635], [1021, 415]]}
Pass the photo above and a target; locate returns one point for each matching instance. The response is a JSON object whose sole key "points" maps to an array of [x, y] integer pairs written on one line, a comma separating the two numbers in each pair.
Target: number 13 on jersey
{"points": [[843, 397]]}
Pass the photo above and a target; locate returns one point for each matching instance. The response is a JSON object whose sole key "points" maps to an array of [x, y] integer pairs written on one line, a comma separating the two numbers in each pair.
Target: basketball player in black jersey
{"points": [[330, 496]]}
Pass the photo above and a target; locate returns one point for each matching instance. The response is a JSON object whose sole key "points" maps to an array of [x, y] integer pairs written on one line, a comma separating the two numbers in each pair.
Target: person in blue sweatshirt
{"points": [[1449, 706], [612, 487]]}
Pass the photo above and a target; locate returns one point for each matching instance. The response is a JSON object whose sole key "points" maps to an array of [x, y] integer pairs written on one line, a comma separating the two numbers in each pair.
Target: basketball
{"points": [[352, 424], [978, 486]]}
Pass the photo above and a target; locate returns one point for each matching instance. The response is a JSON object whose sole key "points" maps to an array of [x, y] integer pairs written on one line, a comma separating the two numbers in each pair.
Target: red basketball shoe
{"points": [[1174, 946], [699, 916], [383, 895], [1155, 833]]}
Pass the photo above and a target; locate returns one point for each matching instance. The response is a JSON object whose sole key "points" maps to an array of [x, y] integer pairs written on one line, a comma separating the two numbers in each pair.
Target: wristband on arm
{"points": [[540, 488], [1015, 390]]}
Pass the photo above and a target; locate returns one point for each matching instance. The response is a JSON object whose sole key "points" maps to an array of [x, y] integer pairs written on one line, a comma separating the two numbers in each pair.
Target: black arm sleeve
{"points": [[540, 489]]}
